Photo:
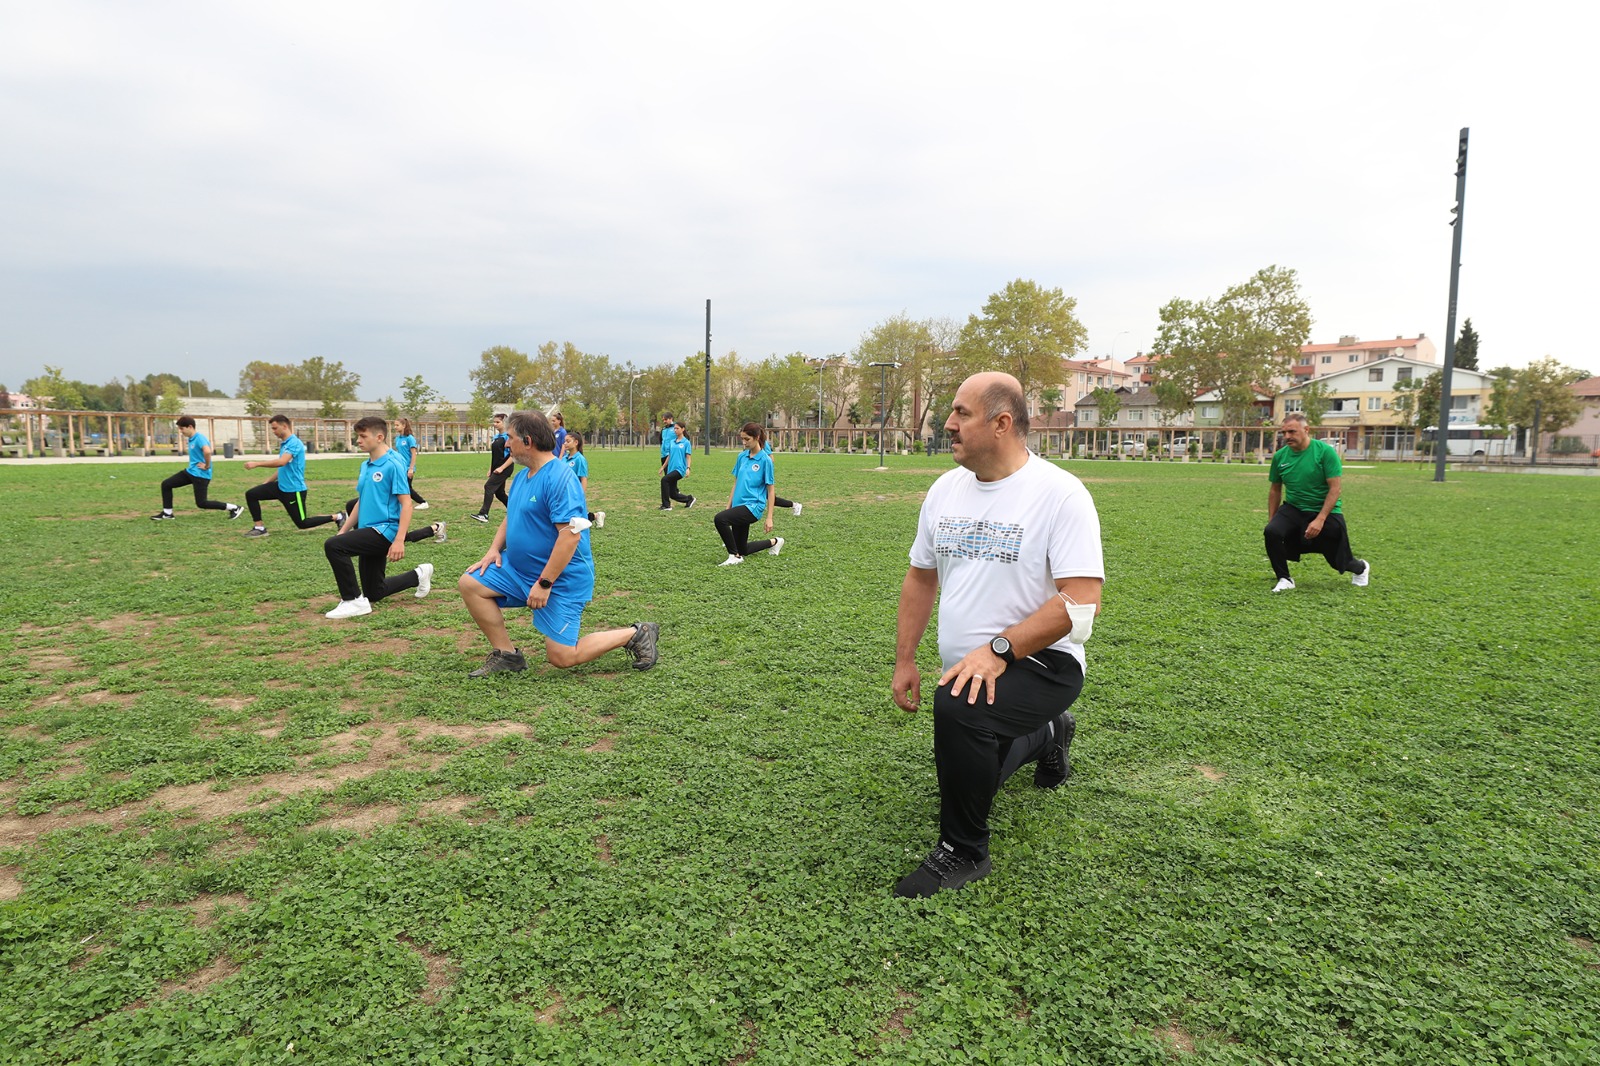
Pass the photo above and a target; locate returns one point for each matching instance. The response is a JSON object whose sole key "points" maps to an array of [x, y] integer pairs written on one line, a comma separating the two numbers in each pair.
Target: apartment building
{"points": [[1361, 403]]}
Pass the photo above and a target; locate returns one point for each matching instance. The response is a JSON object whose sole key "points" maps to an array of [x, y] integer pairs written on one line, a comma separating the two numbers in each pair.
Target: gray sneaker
{"points": [[642, 645], [256, 532], [438, 532], [501, 662]]}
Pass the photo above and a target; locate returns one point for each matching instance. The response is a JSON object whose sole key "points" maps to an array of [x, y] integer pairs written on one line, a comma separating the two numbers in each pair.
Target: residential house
{"points": [[1137, 413], [1587, 427], [1361, 411], [1320, 360], [1208, 409]]}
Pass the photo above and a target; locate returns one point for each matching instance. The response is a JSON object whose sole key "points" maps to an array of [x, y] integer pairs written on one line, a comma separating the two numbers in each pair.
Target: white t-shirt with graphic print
{"points": [[999, 546]]}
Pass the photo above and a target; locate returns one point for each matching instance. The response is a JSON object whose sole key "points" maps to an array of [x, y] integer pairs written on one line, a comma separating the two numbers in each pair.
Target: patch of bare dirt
{"points": [[1582, 943], [1178, 1040], [441, 972], [551, 1015], [894, 1028], [10, 886], [90, 953], [229, 703], [362, 819], [50, 661], [1210, 773], [604, 744], [123, 624], [602, 850], [82, 697], [203, 979], [205, 906], [18, 831], [752, 1043]]}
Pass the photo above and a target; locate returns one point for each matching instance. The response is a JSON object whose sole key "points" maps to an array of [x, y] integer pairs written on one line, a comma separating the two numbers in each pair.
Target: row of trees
{"points": [[160, 393]]}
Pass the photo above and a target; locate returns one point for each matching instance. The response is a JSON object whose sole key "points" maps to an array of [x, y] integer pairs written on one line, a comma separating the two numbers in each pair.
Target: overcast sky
{"points": [[189, 186]]}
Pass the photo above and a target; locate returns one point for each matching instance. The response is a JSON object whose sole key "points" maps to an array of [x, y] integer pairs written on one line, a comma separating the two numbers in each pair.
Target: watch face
{"points": [[999, 645]]}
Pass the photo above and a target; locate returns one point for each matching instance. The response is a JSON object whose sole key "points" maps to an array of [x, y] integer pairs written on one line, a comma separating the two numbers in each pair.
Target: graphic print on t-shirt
{"points": [[978, 538]]}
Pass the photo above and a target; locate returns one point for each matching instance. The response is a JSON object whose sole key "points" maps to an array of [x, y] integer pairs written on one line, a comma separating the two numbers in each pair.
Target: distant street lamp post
{"points": [[632, 432], [883, 404]]}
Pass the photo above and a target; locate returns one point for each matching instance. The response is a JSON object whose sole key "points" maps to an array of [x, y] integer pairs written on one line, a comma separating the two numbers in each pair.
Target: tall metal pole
{"points": [[883, 403], [1441, 444], [706, 429]]}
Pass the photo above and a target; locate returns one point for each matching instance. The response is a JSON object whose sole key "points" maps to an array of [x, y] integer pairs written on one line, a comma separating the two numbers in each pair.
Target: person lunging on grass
{"points": [[197, 473], [500, 464], [677, 463], [374, 532], [750, 499], [289, 486], [540, 559]]}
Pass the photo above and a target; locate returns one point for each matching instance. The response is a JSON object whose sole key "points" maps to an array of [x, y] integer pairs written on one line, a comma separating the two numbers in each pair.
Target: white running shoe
{"points": [[732, 560], [599, 520], [1283, 585], [797, 508], [424, 580], [234, 511], [478, 517], [1360, 580], [423, 506], [438, 532], [339, 517], [777, 546], [351, 608]]}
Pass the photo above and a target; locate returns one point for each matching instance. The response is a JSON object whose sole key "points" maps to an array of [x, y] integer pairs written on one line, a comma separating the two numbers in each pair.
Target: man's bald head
{"points": [[1000, 393]]}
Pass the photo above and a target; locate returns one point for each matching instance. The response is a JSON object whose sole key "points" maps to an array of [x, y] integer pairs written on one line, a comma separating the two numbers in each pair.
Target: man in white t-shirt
{"points": [[1010, 546]]}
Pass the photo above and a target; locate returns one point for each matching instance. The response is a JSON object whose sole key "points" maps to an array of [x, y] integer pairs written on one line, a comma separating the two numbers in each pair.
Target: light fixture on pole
{"points": [[883, 404], [632, 432]]}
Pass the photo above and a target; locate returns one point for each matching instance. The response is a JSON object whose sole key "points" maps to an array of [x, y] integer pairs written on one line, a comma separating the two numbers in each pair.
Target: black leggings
{"points": [[293, 502], [494, 489], [976, 746], [779, 501], [202, 485], [370, 550], [733, 526], [416, 497], [412, 536], [669, 490]]}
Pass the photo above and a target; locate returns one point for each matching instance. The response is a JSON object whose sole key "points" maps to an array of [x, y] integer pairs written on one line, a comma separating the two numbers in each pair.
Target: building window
{"points": [[1375, 374], [1355, 357], [1135, 416], [1087, 416], [1327, 359], [1374, 403], [1402, 373], [1460, 403], [1210, 412], [1293, 405]]}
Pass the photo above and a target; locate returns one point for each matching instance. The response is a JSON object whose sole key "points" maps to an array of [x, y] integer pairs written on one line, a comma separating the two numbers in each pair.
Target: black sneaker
{"points": [[642, 645], [234, 511], [1055, 765], [256, 532], [162, 516], [501, 662], [478, 517], [689, 504], [667, 508], [942, 870]]}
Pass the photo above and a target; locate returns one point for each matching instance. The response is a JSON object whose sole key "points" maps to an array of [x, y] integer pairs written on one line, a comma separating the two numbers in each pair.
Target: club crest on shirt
{"points": [[377, 475]]}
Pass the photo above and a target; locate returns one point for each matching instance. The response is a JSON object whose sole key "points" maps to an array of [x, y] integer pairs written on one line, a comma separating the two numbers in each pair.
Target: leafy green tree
{"points": [[903, 340], [318, 379], [1172, 399], [1051, 398], [1314, 401], [1467, 347], [445, 411], [416, 396], [258, 401], [268, 379], [171, 402], [481, 409], [1026, 331], [331, 408], [53, 389], [1236, 342], [1542, 383], [391, 409], [499, 373], [1108, 405]]}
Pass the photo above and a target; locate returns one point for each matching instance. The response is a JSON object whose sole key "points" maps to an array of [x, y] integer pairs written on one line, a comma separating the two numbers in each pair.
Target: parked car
{"points": [[1179, 445], [1133, 447]]}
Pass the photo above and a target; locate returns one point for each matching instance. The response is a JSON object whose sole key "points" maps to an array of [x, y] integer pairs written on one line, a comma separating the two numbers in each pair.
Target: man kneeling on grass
{"points": [[540, 558], [374, 532]]}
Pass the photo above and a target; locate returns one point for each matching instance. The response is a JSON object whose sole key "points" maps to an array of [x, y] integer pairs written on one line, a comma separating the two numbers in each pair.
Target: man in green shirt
{"points": [[1304, 504]]}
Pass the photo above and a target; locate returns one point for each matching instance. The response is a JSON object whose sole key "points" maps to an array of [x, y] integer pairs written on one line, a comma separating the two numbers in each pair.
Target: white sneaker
{"points": [[423, 506], [732, 560], [797, 508], [777, 546], [338, 518], [424, 580], [599, 520], [351, 608], [1283, 585], [1360, 580], [438, 532], [234, 511]]}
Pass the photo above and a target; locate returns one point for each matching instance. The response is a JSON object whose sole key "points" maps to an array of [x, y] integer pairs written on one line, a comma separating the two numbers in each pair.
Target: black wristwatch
{"points": [[545, 583], [1002, 648]]}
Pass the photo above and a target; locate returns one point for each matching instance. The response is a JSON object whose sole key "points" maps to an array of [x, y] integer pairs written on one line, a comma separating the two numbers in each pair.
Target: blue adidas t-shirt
{"points": [[579, 464], [405, 445], [197, 455], [678, 458], [751, 476], [380, 486], [292, 478], [538, 502]]}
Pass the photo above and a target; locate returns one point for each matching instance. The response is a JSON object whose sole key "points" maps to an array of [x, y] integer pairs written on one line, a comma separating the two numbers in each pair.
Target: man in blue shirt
{"points": [[197, 473], [500, 465], [289, 486], [677, 461], [540, 559], [374, 533]]}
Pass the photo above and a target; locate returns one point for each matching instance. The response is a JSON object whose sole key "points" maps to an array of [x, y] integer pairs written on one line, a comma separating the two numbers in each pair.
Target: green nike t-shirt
{"points": [[1304, 475]]}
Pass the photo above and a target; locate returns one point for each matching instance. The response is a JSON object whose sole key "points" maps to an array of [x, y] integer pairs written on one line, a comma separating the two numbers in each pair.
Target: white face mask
{"points": [[1082, 615]]}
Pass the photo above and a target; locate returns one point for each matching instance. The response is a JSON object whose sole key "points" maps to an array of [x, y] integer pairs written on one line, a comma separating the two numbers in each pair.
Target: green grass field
{"points": [[1334, 826]]}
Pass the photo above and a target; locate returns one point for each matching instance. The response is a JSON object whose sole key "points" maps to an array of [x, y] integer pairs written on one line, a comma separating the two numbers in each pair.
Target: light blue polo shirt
{"points": [[678, 458], [668, 435], [380, 486], [751, 476], [405, 445], [292, 478], [579, 464], [197, 455]]}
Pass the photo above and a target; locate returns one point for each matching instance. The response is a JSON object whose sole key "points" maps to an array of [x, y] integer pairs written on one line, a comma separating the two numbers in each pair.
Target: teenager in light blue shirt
{"points": [[405, 445], [540, 559], [197, 473], [373, 534], [750, 500], [677, 463], [572, 454], [289, 486]]}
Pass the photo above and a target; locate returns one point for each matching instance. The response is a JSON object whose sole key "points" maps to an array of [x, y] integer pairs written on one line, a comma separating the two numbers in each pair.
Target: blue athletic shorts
{"points": [[559, 619]]}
